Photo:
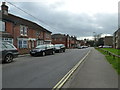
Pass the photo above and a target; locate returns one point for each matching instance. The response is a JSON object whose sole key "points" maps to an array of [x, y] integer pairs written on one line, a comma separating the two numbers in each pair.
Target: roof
{"points": [[5, 34], [18, 20], [58, 36], [108, 36]]}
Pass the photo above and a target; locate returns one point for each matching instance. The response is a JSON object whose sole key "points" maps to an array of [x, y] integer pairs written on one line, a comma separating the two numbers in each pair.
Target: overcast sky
{"points": [[74, 17]]}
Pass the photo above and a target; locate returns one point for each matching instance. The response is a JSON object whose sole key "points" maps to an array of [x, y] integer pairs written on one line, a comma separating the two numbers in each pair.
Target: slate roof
{"points": [[21, 21]]}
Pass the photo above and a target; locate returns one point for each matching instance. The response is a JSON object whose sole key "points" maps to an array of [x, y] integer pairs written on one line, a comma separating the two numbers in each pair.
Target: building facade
{"points": [[24, 34], [108, 40], [116, 39], [68, 41]]}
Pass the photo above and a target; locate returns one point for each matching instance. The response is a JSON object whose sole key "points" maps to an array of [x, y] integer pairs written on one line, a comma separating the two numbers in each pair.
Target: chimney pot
{"points": [[3, 3], [4, 8]]}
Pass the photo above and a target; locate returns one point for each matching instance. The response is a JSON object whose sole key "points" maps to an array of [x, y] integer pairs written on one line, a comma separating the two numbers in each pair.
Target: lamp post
{"points": [[94, 35]]}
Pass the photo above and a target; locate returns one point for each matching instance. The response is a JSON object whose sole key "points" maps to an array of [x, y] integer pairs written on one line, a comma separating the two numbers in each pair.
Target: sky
{"points": [[79, 18]]}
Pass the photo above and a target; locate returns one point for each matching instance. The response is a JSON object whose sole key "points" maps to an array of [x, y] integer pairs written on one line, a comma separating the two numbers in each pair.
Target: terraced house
{"points": [[24, 34], [67, 40]]}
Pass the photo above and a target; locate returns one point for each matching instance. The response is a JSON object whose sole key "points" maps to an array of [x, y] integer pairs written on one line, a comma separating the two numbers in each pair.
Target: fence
{"points": [[111, 54]]}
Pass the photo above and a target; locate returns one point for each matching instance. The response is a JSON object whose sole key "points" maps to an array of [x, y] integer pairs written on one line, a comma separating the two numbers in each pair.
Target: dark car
{"points": [[42, 50], [59, 48], [8, 52]]}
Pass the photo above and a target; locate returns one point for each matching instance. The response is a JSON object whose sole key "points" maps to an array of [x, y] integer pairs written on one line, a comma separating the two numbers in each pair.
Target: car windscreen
{"points": [[9, 46], [40, 47]]}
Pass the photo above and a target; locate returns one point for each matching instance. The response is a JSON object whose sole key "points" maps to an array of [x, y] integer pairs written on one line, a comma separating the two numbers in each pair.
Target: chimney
{"points": [[4, 8]]}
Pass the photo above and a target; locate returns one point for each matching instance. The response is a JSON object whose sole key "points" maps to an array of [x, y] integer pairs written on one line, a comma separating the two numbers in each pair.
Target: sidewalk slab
{"points": [[23, 55], [96, 72]]}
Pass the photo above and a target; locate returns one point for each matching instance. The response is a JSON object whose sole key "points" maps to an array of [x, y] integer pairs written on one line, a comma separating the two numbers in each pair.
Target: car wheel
{"points": [[43, 54], [8, 58]]}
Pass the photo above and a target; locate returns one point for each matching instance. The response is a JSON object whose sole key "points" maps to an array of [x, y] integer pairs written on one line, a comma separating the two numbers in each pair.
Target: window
{"points": [[22, 43], [39, 42], [9, 46], [38, 33], [10, 40], [3, 46], [23, 30], [47, 35], [2, 26]]}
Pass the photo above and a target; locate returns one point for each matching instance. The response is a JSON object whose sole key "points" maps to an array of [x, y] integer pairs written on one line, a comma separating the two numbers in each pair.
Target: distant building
{"points": [[108, 40], [68, 41], [24, 34], [116, 39]]}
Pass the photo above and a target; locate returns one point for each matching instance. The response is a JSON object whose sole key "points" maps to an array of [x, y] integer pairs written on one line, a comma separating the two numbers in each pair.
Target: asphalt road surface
{"points": [[40, 72]]}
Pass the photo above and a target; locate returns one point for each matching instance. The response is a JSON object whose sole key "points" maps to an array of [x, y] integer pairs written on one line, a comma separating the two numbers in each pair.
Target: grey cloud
{"points": [[65, 22]]}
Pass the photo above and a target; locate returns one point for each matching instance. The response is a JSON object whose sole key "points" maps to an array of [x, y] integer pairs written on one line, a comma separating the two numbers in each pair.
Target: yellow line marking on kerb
{"points": [[67, 76]]}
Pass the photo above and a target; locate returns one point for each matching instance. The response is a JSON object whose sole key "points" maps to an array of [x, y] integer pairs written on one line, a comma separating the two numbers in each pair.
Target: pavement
{"points": [[23, 55], [96, 72]]}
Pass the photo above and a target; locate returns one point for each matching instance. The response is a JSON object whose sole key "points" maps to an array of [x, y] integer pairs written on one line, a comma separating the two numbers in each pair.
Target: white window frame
{"points": [[23, 45], [10, 40], [40, 42], [23, 30], [47, 35]]}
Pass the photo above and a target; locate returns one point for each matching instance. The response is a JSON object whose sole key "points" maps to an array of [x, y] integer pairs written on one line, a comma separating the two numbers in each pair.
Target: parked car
{"points": [[84, 46], [100, 46], [59, 48], [42, 50], [8, 52], [105, 46], [81, 47]]}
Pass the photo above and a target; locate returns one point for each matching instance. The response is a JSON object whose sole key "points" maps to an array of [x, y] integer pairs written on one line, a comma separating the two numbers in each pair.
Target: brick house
{"points": [[116, 39], [59, 39], [24, 34], [68, 41], [108, 40]]}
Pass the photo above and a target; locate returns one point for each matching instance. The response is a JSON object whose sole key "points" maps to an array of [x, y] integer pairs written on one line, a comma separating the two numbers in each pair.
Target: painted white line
{"points": [[68, 75]]}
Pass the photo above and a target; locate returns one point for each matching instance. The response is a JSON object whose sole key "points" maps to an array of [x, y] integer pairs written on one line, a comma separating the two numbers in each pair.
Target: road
{"points": [[40, 72]]}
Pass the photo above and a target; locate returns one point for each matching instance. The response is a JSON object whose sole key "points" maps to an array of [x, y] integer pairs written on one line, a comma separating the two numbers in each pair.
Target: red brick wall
{"points": [[16, 34], [9, 27], [31, 33], [59, 41], [46, 34], [41, 35]]}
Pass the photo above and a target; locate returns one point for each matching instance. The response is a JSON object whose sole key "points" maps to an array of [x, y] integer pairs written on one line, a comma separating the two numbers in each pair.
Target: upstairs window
{"points": [[23, 30], [38, 33], [47, 35]]}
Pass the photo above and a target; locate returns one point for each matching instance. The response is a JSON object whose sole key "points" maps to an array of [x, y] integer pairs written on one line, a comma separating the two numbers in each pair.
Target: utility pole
{"points": [[94, 35]]}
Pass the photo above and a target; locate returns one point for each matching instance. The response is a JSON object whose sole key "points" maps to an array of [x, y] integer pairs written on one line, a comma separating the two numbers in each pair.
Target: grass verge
{"points": [[112, 50], [114, 61]]}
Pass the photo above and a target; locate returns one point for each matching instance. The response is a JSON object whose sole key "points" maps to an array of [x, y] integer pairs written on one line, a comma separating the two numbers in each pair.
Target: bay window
{"points": [[22, 43]]}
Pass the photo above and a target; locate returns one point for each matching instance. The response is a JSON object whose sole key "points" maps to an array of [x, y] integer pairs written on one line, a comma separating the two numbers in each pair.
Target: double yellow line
{"points": [[69, 74]]}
